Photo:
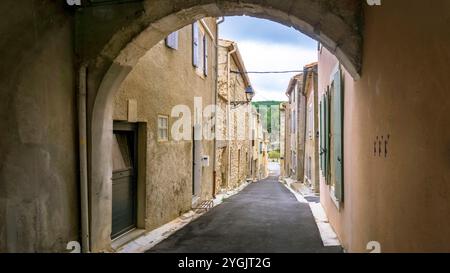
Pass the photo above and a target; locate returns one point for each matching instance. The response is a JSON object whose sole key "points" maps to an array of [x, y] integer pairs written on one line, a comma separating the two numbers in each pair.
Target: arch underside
{"points": [[112, 47], [334, 23]]}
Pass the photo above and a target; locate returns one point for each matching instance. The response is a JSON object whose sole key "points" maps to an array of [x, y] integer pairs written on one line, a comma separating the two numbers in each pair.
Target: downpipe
{"points": [[229, 110], [82, 130], [216, 93]]}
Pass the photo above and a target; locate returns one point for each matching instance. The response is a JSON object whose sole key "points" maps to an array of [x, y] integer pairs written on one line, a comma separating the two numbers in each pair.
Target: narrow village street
{"points": [[263, 218], [169, 126]]}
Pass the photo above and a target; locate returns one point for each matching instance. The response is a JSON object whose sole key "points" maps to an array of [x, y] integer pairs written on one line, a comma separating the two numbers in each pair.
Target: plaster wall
{"points": [[38, 144], [402, 199], [165, 78], [311, 139]]}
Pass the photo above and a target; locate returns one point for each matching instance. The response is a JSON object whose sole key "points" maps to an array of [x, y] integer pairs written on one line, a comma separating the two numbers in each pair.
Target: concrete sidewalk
{"points": [[265, 217]]}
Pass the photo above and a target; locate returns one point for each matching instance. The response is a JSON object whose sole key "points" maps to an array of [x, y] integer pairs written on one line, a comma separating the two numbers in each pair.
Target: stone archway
{"points": [[113, 50]]}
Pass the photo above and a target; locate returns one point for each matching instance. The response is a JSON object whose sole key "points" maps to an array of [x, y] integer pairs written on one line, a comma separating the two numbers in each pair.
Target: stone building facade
{"points": [[300, 116], [311, 161], [295, 128], [259, 167], [282, 139], [173, 80], [233, 148]]}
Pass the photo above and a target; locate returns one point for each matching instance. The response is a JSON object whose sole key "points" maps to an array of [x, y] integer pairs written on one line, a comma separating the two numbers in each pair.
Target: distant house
{"points": [[295, 127], [284, 147], [311, 156], [260, 140]]}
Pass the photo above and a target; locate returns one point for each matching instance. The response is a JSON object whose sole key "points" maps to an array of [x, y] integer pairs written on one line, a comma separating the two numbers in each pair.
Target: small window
{"points": [[163, 128]]}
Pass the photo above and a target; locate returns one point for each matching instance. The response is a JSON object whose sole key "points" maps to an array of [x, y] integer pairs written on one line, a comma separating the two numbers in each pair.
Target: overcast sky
{"points": [[269, 46]]}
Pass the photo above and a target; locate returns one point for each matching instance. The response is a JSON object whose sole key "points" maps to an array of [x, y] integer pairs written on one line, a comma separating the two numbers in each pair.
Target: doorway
{"points": [[124, 179], [197, 167]]}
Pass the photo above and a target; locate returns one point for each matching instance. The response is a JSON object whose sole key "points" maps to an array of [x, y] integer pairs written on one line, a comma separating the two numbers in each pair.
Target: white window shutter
{"points": [[195, 44], [205, 54], [172, 40]]}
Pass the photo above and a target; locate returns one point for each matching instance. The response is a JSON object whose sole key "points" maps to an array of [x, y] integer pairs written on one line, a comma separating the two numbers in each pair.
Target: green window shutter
{"points": [[327, 138], [195, 44], [337, 136], [321, 135]]}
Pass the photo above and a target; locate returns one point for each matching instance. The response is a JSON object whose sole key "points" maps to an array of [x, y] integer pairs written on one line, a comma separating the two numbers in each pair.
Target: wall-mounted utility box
{"points": [[205, 161]]}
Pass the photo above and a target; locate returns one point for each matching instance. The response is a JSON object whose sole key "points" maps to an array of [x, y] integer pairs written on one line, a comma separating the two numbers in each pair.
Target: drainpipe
{"points": [[229, 108], [216, 93], [208, 31], [82, 125]]}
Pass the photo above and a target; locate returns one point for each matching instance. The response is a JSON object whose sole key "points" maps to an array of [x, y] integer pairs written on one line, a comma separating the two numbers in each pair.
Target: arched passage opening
{"points": [[335, 24], [402, 93]]}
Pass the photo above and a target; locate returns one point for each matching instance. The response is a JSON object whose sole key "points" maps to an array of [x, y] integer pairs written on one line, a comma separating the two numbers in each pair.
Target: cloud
{"points": [[269, 46], [265, 56], [250, 28], [265, 95]]}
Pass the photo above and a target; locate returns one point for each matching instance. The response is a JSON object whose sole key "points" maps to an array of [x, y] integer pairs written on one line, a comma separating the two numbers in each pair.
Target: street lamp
{"points": [[249, 94]]}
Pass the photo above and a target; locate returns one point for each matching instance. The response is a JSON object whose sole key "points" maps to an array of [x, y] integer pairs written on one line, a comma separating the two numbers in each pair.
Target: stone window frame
{"points": [[160, 128]]}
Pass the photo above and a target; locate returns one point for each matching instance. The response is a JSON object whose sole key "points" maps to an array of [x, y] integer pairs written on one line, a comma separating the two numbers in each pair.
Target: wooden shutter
{"points": [[327, 137], [205, 55], [322, 131], [195, 44], [337, 136], [172, 40]]}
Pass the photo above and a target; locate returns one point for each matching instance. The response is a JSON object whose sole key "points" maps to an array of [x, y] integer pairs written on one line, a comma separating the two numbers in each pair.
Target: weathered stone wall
{"points": [[163, 79], [38, 144], [312, 140], [239, 129]]}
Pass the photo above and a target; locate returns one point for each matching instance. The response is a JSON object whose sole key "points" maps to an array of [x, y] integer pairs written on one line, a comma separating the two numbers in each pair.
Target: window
{"points": [[239, 165], [331, 136], [293, 123], [200, 46], [310, 121], [172, 40], [163, 128], [337, 113], [121, 153], [293, 162], [309, 168]]}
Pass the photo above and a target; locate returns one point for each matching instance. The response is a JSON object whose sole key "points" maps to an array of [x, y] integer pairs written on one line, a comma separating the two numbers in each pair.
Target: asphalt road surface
{"points": [[263, 218]]}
